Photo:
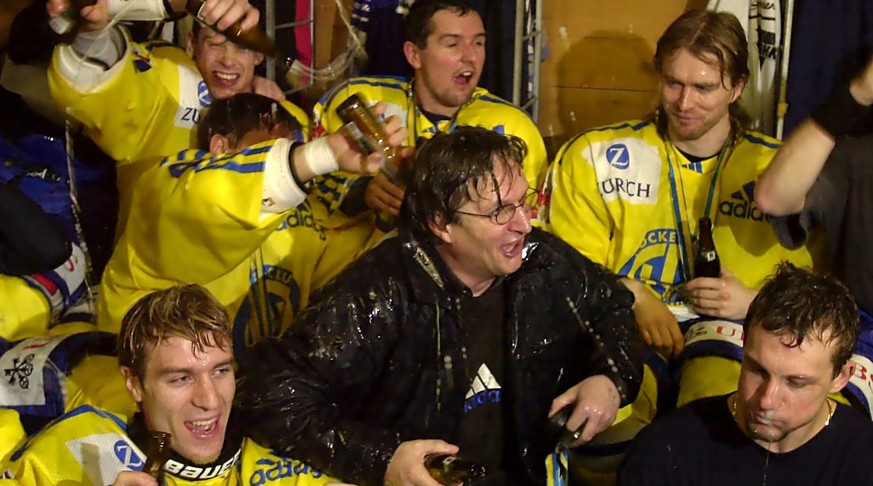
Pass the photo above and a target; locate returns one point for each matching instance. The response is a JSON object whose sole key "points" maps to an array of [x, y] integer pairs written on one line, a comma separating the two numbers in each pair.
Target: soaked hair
{"points": [[801, 304], [707, 34], [453, 168], [418, 24], [241, 113], [189, 312]]}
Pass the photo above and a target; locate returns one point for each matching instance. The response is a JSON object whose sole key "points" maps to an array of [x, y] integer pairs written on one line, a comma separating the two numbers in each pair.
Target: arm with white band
{"points": [[289, 167]]}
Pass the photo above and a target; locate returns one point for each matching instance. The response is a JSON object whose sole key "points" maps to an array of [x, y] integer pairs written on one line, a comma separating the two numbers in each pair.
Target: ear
{"points": [[412, 53], [443, 231], [738, 90], [189, 44], [259, 58], [133, 384], [843, 377], [219, 144]]}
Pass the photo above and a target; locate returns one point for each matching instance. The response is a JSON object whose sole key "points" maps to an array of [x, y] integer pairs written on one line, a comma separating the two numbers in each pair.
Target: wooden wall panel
{"points": [[599, 68]]}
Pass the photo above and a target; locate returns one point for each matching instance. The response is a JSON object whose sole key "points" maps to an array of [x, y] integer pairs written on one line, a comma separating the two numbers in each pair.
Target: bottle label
{"points": [[364, 144], [709, 256]]}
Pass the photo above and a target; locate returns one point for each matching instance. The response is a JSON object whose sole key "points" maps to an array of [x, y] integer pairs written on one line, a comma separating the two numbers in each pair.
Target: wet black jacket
{"points": [[377, 359]]}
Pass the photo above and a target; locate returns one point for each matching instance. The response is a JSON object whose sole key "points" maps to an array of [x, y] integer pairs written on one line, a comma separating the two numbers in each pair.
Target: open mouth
{"points": [[226, 79], [463, 78], [203, 429], [513, 249]]}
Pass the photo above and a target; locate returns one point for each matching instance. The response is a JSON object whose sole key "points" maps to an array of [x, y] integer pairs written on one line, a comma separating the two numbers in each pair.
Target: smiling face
{"points": [[781, 400], [226, 68], [696, 98], [448, 67], [476, 249], [188, 393]]}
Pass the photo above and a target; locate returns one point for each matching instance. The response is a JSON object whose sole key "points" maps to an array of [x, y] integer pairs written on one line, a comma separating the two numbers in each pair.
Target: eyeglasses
{"points": [[504, 213]]}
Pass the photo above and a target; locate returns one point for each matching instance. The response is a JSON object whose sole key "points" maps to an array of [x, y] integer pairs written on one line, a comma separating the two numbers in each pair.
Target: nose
{"points": [[205, 395], [769, 395], [469, 52], [685, 100], [228, 53], [520, 221]]}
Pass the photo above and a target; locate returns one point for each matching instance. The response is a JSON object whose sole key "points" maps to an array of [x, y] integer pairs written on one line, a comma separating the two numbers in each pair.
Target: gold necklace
{"points": [[733, 401]]}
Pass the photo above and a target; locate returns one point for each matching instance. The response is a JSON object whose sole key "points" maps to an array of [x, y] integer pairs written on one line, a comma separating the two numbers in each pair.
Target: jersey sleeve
{"points": [[120, 106], [575, 210]]}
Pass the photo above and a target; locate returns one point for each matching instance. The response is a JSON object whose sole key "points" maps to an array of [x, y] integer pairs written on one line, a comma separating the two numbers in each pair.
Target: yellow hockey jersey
{"points": [[630, 200], [197, 218], [483, 109], [90, 446]]}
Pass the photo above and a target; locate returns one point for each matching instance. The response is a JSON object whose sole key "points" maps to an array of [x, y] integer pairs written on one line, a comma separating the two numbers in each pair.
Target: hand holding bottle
{"points": [[595, 401], [407, 468]]}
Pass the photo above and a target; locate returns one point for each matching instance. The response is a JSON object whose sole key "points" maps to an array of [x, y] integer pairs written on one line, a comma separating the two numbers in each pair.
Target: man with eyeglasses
{"points": [[462, 334]]}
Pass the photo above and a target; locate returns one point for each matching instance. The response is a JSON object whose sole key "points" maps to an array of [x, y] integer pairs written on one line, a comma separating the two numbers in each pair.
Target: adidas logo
{"points": [[742, 204], [484, 389]]}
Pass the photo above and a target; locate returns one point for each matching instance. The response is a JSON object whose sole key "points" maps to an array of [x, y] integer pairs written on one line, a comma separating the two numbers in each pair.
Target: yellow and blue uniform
{"points": [[198, 218], [627, 198], [483, 110], [90, 446]]}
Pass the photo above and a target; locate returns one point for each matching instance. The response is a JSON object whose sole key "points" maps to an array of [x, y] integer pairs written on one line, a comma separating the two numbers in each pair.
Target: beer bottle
{"points": [[253, 39], [706, 261], [448, 469], [68, 24], [368, 132], [156, 455]]}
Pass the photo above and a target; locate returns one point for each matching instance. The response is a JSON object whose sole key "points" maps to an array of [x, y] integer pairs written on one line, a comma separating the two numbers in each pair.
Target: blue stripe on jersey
{"points": [[763, 142], [72, 413], [395, 82]]}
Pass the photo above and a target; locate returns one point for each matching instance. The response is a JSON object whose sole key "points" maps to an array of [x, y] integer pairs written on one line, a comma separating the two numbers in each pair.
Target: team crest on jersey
{"points": [[628, 169], [656, 262], [268, 307], [741, 204], [128, 455]]}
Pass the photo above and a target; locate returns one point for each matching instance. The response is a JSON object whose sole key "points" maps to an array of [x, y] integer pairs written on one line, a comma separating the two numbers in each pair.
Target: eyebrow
{"points": [[807, 378], [459, 36], [171, 371]]}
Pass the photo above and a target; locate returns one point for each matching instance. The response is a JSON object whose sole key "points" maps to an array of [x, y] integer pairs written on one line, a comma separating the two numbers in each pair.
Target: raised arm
{"points": [[783, 187]]}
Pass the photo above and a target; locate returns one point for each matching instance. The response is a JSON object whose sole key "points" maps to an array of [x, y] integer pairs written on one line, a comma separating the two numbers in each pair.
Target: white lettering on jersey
{"points": [[189, 471], [715, 330], [626, 168], [193, 97]]}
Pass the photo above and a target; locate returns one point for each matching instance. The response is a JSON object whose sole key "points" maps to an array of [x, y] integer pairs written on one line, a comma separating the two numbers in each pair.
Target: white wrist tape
{"points": [[137, 9], [281, 192], [320, 158]]}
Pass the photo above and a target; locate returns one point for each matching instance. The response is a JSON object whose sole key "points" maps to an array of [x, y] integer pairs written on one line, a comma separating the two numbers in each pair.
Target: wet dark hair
{"points": [[241, 113], [418, 24], [802, 304], [453, 168], [708, 34]]}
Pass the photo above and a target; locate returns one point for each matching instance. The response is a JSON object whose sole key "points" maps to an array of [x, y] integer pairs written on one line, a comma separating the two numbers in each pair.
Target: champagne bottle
{"points": [[157, 452], [706, 261], [253, 39], [368, 132], [68, 24], [448, 469]]}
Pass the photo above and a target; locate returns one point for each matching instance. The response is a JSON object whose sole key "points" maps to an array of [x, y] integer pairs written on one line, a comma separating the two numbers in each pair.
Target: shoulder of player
{"points": [[374, 88], [75, 424], [637, 129]]}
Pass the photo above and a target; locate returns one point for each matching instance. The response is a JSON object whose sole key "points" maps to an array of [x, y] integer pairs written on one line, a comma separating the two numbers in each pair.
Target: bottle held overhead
{"points": [[68, 24]]}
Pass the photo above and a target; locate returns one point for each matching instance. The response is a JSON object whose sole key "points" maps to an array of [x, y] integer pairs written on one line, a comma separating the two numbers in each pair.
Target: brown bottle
{"points": [[448, 470], [68, 24], [253, 39], [368, 132], [706, 261], [156, 455]]}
